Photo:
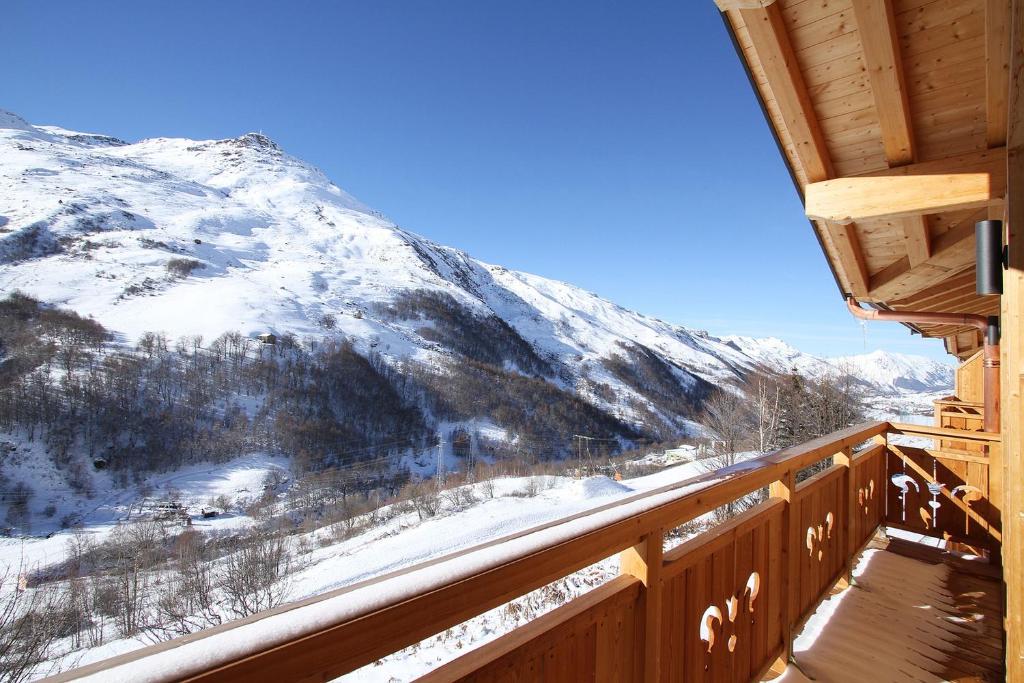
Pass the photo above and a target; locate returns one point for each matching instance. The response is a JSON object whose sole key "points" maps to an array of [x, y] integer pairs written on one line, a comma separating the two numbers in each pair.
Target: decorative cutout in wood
{"points": [[903, 482], [971, 494], [817, 536], [865, 495], [714, 614]]}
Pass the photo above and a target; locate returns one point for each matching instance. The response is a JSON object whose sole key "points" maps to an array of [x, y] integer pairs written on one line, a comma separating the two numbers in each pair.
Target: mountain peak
{"points": [[254, 141]]}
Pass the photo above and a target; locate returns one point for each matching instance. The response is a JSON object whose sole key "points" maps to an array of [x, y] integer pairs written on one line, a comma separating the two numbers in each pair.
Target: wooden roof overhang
{"points": [[892, 117]]}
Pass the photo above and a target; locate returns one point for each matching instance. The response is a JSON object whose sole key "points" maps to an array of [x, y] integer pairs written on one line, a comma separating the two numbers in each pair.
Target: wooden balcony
{"points": [[722, 606]]}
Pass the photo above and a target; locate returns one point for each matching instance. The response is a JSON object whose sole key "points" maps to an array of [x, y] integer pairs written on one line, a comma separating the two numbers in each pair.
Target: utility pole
{"points": [[440, 460]]}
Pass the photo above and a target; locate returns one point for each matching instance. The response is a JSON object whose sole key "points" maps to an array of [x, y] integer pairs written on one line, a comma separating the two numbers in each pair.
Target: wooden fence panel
{"points": [[820, 505], [869, 485], [721, 619], [943, 494], [592, 638]]}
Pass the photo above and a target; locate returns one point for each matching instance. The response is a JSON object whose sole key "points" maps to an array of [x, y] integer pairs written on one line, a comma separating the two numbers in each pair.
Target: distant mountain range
{"points": [[202, 237]]}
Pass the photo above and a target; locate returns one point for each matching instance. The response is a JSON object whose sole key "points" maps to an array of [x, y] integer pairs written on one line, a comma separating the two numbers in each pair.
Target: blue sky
{"points": [[614, 145]]}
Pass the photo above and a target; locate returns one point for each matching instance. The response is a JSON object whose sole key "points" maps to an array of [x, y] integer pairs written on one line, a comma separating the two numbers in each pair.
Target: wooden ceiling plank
{"points": [[770, 42], [953, 251], [997, 70], [928, 297]]}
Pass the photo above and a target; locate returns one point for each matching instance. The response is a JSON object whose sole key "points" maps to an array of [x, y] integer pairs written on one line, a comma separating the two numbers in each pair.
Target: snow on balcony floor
{"points": [[903, 619]]}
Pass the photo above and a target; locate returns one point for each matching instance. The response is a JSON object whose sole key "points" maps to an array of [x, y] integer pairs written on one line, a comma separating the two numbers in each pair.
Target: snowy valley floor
{"points": [[324, 564]]}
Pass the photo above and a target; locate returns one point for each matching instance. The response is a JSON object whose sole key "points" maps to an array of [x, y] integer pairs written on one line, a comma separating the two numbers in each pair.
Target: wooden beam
{"points": [[728, 5], [997, 70], [644, 562], [770, 42], [876, 22], [851, 257], [877, 30], [1012, 366], [919, 246], [845, 200]]}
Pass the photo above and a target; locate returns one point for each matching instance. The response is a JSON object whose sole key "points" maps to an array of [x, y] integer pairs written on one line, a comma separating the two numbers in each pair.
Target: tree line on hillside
{"points": [[162, 403]]}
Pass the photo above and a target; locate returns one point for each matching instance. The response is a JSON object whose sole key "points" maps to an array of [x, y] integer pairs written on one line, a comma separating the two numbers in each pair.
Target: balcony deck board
{"points": [[950, 631]]}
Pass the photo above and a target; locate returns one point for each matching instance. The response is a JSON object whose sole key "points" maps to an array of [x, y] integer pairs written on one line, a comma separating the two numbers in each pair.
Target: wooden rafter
{"points": [[881, 46], [770, 41], [997, 70], [851, 257], [885, 72], [919, 245]]}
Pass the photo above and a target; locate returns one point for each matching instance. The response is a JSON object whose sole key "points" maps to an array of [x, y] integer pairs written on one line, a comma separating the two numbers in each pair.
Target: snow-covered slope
{"points": [[898, 371], [104, 227]]}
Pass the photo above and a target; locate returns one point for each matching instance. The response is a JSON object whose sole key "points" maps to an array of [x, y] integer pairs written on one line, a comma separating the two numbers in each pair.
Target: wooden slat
{"points": [[770, 42]]}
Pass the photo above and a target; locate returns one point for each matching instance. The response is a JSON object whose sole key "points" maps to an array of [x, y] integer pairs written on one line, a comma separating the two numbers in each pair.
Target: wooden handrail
{"points": [[945, 432], [331, 634]]}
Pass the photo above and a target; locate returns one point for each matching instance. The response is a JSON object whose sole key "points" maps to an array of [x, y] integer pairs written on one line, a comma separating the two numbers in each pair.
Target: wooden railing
{"points": [[946, 491], [723, 606], [963, 416]]}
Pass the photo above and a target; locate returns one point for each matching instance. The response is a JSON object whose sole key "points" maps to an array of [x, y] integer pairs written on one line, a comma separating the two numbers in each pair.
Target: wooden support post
{"points": [[1012, 348], [849, 508], [644, 561], [785, 489]]}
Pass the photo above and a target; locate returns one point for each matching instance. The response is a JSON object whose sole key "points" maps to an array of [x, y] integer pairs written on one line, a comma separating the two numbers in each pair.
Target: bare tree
{"points": [[31, 619], [254, 576], [767, 398], [729, 415]]}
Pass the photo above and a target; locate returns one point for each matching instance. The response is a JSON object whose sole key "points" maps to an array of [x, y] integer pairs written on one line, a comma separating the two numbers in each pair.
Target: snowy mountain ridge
{"points": [[201, 237]]}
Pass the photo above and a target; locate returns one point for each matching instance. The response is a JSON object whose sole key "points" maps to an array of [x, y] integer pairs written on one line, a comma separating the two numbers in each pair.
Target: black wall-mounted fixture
{"points": [[988, 246]]}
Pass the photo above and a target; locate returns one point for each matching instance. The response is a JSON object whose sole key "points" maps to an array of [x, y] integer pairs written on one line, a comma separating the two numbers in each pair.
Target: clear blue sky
{"points": [[614, 145]]}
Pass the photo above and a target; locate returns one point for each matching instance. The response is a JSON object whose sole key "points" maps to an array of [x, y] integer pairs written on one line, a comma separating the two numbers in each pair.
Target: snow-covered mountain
{"points": [[881, 372], [201, 237]]}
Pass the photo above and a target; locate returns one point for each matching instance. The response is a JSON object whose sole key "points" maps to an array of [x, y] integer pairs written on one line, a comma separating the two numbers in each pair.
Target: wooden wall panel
{"points": [[970, 380]]}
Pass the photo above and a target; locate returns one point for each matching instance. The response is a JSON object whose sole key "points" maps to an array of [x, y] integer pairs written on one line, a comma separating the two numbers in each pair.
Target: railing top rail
{"points": [[959, 434], [378, 616]]}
